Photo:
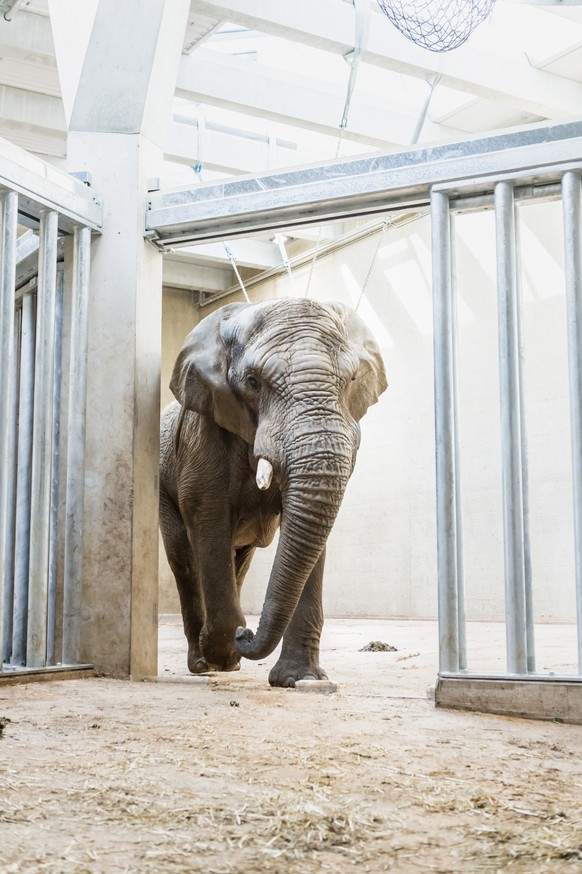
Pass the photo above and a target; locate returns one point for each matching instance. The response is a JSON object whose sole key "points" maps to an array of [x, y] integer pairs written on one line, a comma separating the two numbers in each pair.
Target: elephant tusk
{"points": [[264, 473]]}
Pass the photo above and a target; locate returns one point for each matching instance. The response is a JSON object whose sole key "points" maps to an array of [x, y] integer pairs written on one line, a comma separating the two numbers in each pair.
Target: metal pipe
{"points": [[24, 464], [8, 235], [572, 208], [11, 476], [75, 488], [511, 436], [42, 441], [457, 457], [527, 568], [445, 436], [56, 418]]}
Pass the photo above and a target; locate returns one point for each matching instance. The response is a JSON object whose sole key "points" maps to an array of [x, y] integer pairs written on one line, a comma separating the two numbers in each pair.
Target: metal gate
{"points": [[457, 686], [38, 409], [495, 171]]}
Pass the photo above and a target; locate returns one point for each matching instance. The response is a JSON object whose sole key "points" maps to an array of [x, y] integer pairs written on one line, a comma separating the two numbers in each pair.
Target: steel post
{"points": [[8, 234], [11, 475], [75, 489], [511, 431], [457, 458], [528, 585], [22, 515], [56, 417], [572, 206], [36, 652], [445, 426]]}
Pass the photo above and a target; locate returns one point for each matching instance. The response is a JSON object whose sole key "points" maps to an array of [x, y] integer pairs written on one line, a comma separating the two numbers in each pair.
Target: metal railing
{"points": [[505, 195], [32, 331]]}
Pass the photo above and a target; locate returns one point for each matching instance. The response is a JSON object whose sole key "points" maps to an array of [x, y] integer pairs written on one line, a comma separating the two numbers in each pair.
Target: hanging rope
{"points": [[385, 223], [353, 58], [233, 264]]}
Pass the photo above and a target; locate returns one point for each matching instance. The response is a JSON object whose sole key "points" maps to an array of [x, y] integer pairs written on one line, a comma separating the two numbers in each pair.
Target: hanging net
{"points": [[437, 25]]}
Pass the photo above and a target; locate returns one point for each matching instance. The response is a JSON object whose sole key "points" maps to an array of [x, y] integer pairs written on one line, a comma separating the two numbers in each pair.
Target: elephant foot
{"points": [[287, 671], [217, 651], [197, 664]]}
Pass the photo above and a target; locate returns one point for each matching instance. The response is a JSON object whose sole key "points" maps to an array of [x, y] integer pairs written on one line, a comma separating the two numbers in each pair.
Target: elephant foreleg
{"points": [[217, 571], [244, 556], [182, 565], [299, 659]]}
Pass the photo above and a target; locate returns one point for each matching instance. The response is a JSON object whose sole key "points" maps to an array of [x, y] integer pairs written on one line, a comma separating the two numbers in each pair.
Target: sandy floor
{"points": [[181, 775]]}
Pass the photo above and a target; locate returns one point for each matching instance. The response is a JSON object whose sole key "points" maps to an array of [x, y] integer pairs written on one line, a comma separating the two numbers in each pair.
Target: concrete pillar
{"points": [[118, 121]]}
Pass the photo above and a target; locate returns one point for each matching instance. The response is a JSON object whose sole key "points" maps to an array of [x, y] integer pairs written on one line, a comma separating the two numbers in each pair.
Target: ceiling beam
{"points": [[255, 254], [28, 37], [33, 121], [227, 150], [193, 277], [267, 92], [479, 68]]}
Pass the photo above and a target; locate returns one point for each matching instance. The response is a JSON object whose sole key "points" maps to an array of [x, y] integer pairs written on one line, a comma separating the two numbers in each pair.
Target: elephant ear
{"points": [[370, 380], [200, 377]]}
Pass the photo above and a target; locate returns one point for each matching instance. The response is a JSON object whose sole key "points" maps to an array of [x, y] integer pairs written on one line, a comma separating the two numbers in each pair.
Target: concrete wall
{"points": [[381, 554]]}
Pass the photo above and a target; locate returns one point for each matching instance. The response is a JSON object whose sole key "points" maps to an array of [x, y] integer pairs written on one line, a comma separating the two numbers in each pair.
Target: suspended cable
{"points": [[353, 58], [233, 264], [279, 239], [386, 222]]}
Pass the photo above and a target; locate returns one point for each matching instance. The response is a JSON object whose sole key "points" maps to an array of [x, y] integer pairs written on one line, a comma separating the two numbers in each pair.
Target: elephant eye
{"points": [[253, 382]]}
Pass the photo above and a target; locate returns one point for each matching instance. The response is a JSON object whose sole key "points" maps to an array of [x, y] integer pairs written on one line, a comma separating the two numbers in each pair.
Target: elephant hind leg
{"points": [[181, 562]]}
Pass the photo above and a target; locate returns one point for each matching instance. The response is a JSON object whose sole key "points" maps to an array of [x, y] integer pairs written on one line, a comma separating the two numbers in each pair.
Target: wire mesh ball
{"points": [[437, 25]]}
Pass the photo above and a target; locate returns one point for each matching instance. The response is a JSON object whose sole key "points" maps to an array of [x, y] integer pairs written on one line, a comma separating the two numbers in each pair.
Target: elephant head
{"points": [[291, 378]]}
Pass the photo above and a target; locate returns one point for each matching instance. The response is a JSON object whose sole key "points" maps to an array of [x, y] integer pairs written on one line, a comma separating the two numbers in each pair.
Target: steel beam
{"points": [[41, 187], [8, 233], [357, 186]]}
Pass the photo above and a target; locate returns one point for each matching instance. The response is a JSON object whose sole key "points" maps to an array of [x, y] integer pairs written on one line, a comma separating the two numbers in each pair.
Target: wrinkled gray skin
{"points": [[286, 381]]}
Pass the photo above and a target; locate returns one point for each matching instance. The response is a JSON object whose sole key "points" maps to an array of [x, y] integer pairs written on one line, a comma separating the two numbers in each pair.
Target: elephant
{"points": [[263, 434]]}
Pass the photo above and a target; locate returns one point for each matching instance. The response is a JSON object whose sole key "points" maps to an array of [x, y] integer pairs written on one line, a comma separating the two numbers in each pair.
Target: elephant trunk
{"points": [[312, 490]]}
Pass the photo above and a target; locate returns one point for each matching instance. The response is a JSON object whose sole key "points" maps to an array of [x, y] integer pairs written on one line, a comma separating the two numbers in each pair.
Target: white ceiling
{"points": [[262, 85]]}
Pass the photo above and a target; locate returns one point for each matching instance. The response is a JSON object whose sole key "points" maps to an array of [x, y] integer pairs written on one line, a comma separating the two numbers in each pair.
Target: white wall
{"points": [[382, 553]]}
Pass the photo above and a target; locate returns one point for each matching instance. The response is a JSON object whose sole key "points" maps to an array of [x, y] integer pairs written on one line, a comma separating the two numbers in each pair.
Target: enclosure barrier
{"points": [[497, 172], [54, 207]]}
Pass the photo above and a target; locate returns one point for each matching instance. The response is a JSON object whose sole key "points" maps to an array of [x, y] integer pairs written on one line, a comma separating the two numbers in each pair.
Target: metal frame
{"points": [[493, 172], [38, 196], [360, 186]]}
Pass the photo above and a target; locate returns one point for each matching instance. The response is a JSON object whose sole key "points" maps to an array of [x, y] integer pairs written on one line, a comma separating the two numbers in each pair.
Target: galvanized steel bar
{"points": [[511, 432], [572, 208], [457, 458], [24, 464], [8, 234], [527, 568], [53, 532], [445, 426], [73, 561], [36, 652], [359, 186], [11, 476]]}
